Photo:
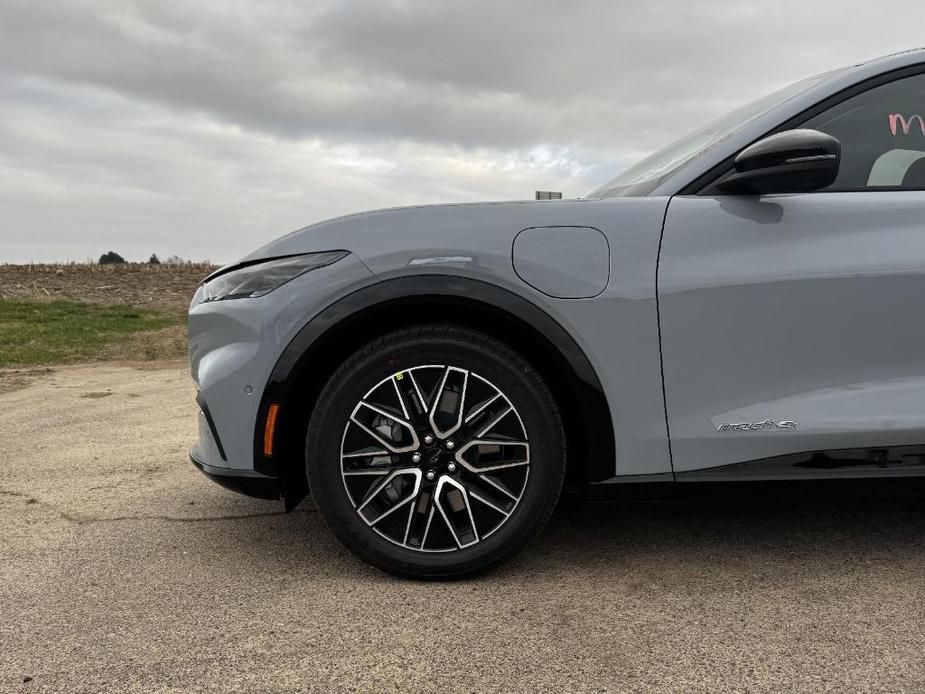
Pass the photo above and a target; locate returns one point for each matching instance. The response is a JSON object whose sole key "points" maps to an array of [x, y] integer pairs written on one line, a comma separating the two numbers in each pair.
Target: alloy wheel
{"points": [[435, 458]]}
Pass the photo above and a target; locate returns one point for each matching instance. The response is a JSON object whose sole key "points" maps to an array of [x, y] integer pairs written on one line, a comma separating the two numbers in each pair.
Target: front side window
{"points": [[882, 135], [645, 176]]}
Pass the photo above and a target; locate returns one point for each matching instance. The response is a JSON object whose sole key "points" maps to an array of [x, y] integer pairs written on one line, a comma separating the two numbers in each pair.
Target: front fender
{"points": [[494, 303]]}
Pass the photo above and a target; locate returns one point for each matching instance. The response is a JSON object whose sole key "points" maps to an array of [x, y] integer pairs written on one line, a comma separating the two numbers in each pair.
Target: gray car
{"points": [[743, 305]]}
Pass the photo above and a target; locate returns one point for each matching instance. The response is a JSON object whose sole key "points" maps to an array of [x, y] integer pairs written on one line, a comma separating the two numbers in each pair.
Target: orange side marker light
{"points": [[269, 429]]}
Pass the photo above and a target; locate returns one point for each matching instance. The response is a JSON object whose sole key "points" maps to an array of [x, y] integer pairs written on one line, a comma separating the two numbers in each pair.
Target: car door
{"points": [[793, 325]]}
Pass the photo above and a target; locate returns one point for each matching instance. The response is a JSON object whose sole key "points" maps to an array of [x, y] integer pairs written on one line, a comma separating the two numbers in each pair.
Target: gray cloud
{"points": [[205, 128]]}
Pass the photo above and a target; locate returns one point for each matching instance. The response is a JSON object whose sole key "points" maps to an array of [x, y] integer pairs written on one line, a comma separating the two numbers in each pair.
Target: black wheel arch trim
{"points": [[298, 355]]}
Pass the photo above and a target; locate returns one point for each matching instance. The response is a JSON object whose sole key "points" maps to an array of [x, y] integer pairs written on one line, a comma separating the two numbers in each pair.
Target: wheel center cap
{"points": [[434, 458]]}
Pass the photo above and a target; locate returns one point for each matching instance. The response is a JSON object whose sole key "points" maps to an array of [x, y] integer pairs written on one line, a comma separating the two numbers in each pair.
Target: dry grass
{"points": [[160, 293], [137, 284], [154, 345]]}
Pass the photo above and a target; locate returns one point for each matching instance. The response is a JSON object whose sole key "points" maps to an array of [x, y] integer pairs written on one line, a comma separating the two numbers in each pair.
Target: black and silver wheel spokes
{"points": [[435, 458]]}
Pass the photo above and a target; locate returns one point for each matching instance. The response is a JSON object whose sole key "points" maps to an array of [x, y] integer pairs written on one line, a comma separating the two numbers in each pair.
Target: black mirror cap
{"points": [[793, 161]]}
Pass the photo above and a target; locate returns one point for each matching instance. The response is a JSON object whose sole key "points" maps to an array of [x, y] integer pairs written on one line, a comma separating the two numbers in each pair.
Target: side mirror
{"points": [[793, 161]]}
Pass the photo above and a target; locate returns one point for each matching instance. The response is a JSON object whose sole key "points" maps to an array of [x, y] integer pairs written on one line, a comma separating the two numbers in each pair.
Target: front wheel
{"points": [[435, 451]]}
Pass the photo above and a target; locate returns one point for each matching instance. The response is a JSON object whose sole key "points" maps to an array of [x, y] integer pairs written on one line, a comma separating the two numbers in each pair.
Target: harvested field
{"points": [[137, 284], [40, 323]]}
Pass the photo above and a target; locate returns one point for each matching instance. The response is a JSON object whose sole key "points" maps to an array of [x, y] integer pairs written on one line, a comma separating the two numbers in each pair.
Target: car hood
{"points": [[468, 238], [417, 224]]}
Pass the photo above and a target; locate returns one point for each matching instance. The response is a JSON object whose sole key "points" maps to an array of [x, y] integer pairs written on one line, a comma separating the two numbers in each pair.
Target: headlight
{"points": [[262, 278]]}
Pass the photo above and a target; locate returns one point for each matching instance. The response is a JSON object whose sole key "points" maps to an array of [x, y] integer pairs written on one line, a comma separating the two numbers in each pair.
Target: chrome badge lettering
{"points": [[758, 426]]}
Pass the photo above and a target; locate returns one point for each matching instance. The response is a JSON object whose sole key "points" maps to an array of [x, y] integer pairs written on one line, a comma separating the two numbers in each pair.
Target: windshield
{"points": [[645, 176]]}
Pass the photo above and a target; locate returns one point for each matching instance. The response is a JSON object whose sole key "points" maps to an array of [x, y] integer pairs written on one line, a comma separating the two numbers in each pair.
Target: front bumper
{"points": [[245, 482], [234, 346]]}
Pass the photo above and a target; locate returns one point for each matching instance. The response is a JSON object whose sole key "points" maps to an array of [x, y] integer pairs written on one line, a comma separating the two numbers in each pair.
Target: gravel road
{"points": [[124, 569]]}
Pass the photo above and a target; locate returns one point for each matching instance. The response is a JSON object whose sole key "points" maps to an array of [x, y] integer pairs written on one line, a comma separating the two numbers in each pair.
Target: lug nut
{"points": [[451, 467], [450, 445], [431, 475], [415, 457], [429, 439]]}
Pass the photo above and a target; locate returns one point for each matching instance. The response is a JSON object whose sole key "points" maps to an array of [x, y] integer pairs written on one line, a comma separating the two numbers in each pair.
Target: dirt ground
{"points": [[124, 569]]}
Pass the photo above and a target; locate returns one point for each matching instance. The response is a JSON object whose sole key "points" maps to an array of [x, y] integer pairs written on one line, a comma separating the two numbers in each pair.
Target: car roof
{"points": [[835, 82]]}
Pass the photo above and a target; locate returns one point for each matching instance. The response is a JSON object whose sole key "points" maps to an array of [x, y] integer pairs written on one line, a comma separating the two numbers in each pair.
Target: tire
{"points": [[403, 486]]}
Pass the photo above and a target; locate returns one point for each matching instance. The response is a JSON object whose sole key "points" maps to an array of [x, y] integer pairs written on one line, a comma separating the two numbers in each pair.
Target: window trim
{"points": [[704, 184]]}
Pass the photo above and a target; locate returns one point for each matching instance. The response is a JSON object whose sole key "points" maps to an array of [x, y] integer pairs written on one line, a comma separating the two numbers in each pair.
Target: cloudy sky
{"points": [[205, 128]]}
